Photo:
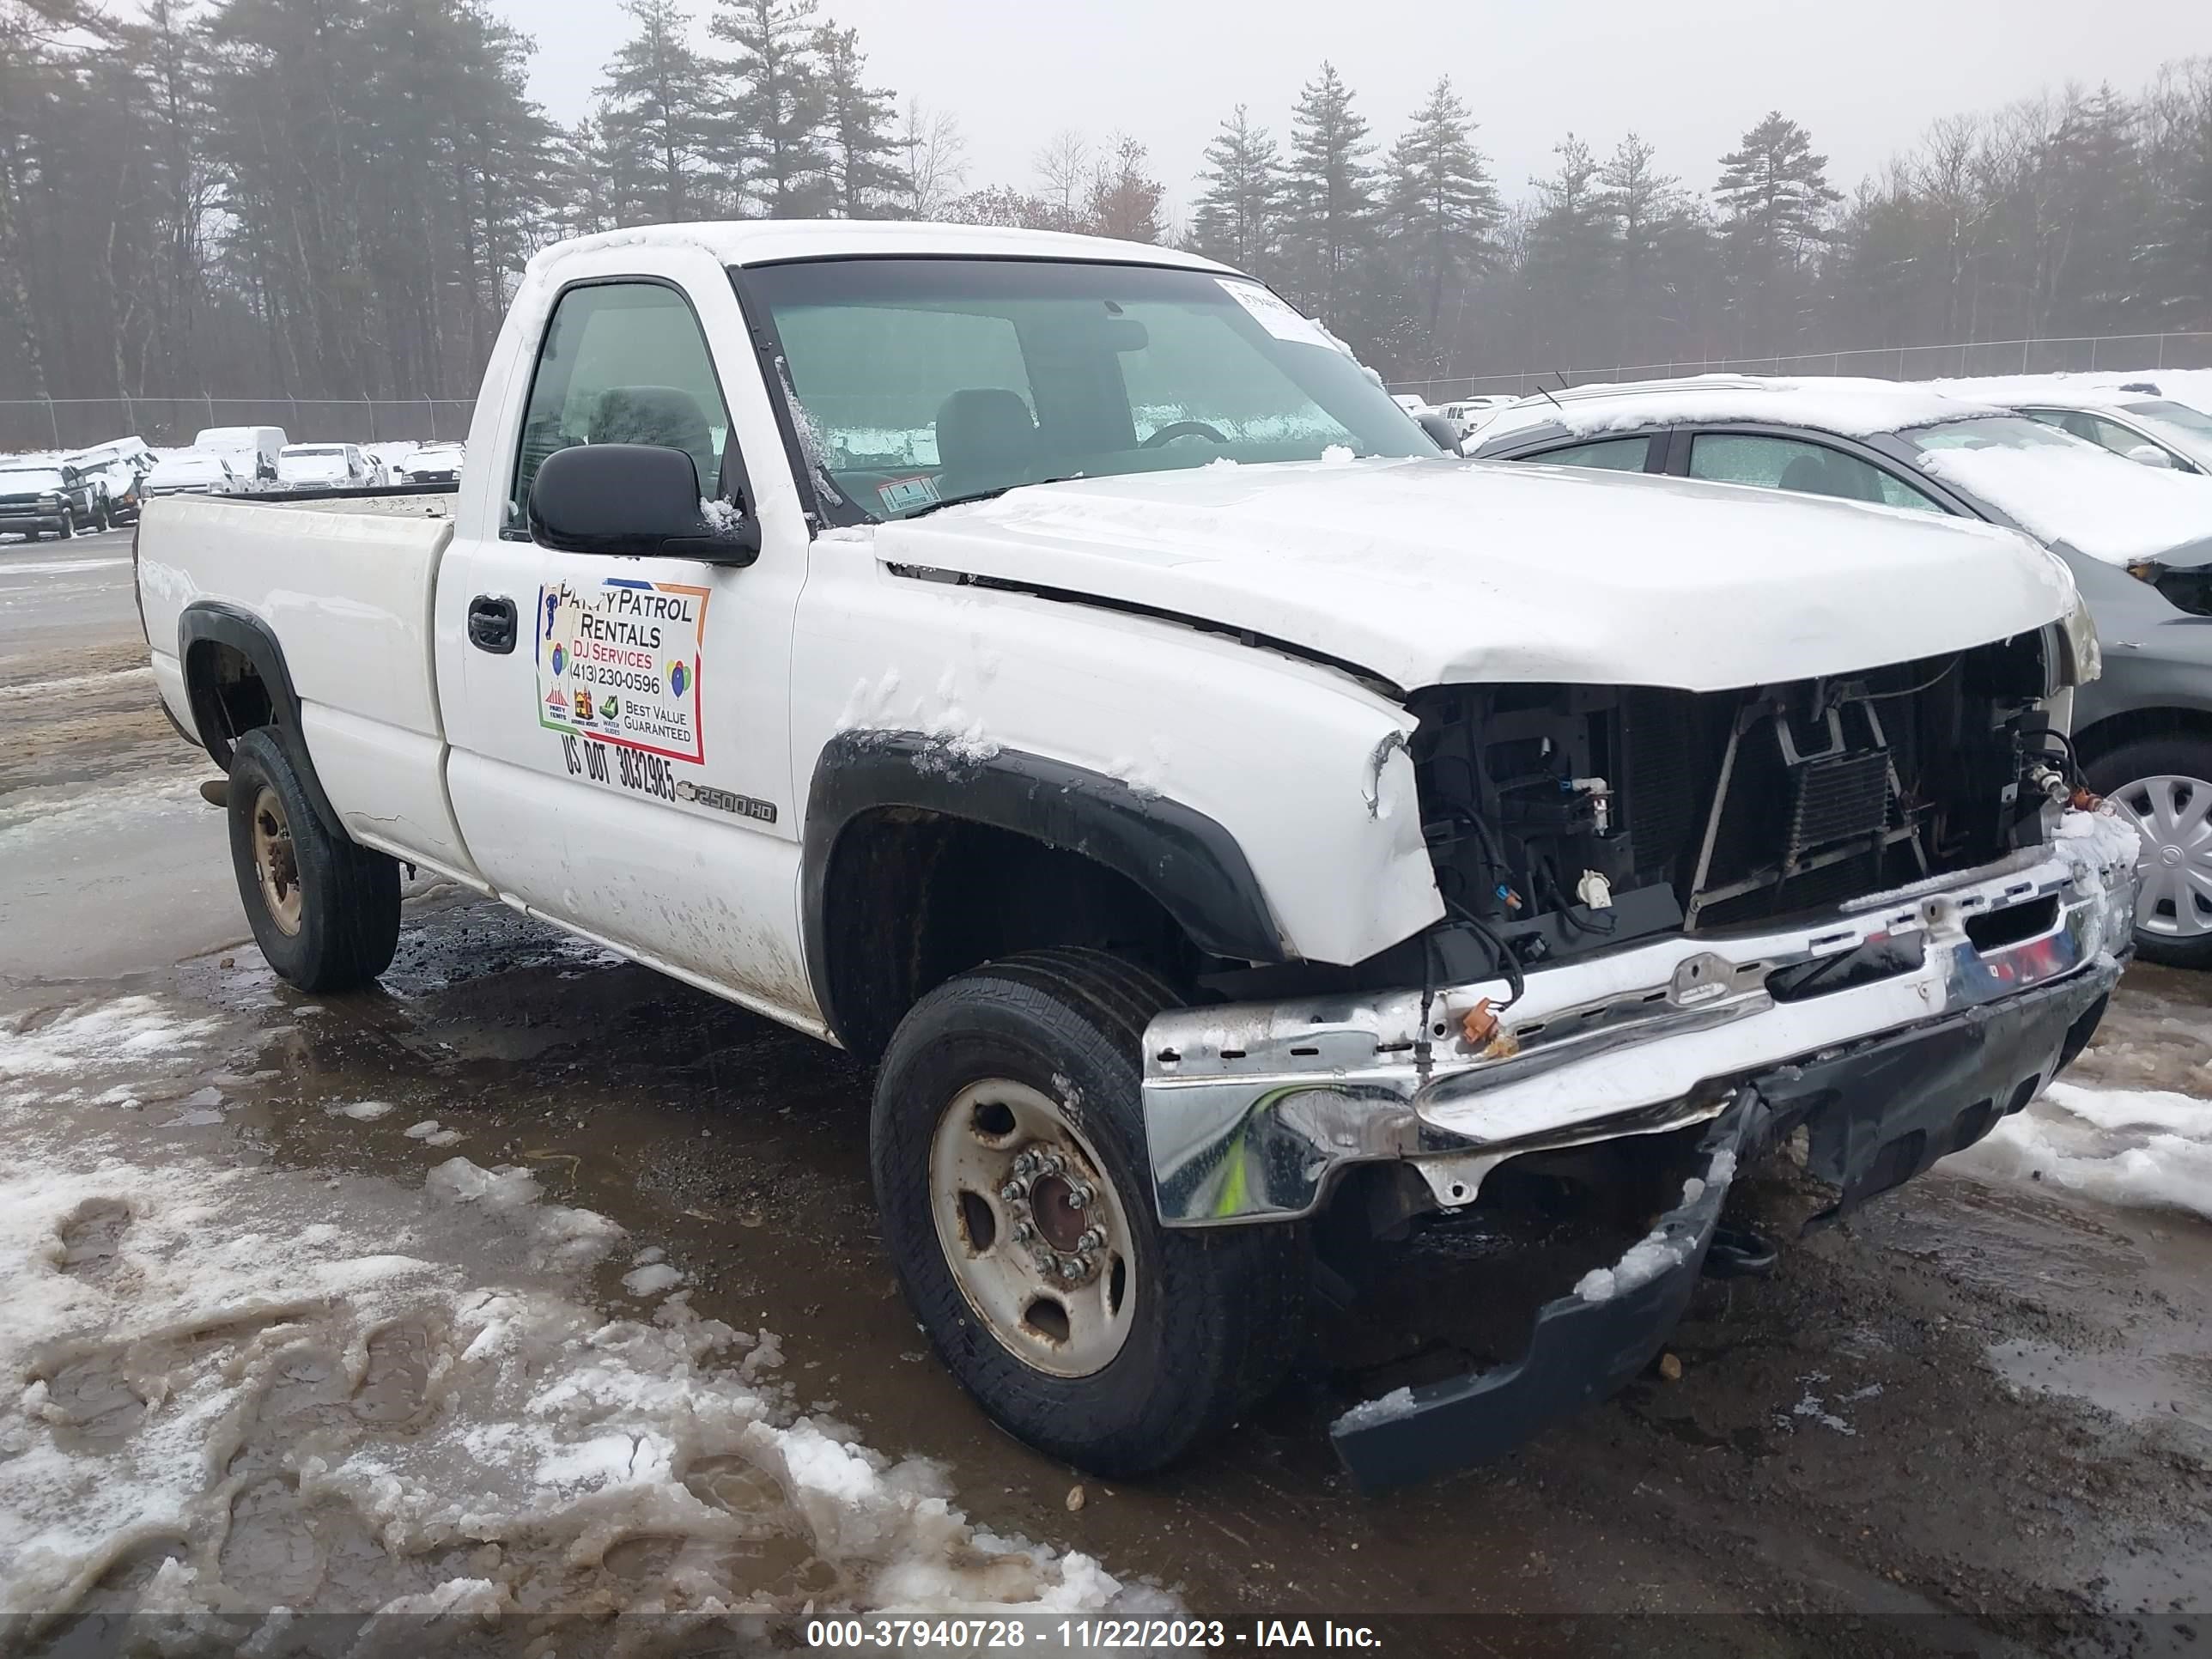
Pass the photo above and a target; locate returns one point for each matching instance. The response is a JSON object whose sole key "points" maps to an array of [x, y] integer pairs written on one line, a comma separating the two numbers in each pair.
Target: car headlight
{"points": [[50, 500]]}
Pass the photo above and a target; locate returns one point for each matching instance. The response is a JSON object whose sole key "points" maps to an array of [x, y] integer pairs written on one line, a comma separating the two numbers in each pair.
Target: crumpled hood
{"points": [[1433, 572]]}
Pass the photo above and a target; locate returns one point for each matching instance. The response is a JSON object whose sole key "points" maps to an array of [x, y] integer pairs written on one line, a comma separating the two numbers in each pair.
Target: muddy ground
{"points": [[1977, 1413]]}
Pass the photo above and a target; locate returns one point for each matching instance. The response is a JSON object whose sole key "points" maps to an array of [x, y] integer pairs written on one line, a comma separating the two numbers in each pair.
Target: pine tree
{"points": [[658, 119], [1774, 193], [1441, 206], [1328, 190], [859, 138], [1569, 255], [778, 112], [1238, 218]]}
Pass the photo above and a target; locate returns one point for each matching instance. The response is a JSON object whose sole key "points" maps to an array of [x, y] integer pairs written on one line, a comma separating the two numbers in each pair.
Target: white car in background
{"points": [[323, 466], [2146, 417], [430, 464], [251, 451], [1472, 412], [189, 472]]}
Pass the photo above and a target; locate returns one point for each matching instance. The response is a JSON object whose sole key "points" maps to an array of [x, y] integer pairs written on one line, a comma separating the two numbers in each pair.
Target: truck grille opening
{"points": [[1564, 819]]}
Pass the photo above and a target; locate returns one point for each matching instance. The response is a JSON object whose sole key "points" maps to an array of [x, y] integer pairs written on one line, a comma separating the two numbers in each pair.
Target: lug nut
{"points": [[1071, 1268], [1051, 1162], [1012, 1192], [1079, 1195], [1026, 1163], [1093, 1239], [1023, 1232]]}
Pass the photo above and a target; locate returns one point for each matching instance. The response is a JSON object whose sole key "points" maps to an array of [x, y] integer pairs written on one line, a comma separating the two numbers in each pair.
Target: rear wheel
{"points": [[2163, 786], [324, 911], [1009, 1152]]}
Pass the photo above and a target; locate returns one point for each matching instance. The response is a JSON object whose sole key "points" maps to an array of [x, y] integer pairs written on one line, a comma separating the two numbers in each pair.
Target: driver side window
{"points": [[621, 362]]}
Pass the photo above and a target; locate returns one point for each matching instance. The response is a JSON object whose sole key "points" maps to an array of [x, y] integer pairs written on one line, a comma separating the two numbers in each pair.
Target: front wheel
{"points": [[1008, 1147], [2163, 786], [101, 521], [324, 910], [68, 531]]}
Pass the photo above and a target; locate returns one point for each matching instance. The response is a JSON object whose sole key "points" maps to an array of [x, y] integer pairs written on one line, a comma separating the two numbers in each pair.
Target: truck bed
{"points": [[355, 572]]}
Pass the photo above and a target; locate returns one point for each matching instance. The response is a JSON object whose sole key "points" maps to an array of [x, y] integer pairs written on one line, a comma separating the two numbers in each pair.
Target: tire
{"points": [[101, 518], [324, 911], [1208, 1319], [2164, 785], [68, 531]]}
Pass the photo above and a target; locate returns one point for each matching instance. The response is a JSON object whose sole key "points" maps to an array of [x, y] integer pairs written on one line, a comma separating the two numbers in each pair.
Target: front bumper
{"points": [[24, 523], [1877, 1113], [1253, 1110]]}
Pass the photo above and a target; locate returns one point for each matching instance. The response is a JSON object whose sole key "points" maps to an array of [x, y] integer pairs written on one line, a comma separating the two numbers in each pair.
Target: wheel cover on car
{"points": [[2175, 817], [1033, 1232], [275, 861]]}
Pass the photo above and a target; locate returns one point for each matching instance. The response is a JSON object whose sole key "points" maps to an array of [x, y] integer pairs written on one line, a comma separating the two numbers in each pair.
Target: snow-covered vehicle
{"points": [[2138, 542], [43, 496], [1239, 841], [251, 451], [187, 472], [324, 466], [429, 465], [116, 473], [2130, 421]]}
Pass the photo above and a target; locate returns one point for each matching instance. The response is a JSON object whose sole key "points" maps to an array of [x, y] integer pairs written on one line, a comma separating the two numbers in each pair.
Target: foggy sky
{"points": [[1865, 75]]}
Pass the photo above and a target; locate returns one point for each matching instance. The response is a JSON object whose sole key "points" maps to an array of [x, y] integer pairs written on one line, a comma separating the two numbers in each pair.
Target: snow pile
{"points": [[2141, 1149], [2100, 505], [2110, 839], [1665, 1247], [723, 519], [65, 1055], [288, 1393], [1384, 1408]]}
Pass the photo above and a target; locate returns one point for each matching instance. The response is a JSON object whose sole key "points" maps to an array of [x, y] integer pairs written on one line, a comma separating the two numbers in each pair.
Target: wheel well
{"points": [[2134, 723], [229, 695], [913, 897]]}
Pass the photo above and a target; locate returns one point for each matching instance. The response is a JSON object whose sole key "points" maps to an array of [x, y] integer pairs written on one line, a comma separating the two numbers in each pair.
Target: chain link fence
{"points": [[2091, 354], [35, 423], [38, 423]]}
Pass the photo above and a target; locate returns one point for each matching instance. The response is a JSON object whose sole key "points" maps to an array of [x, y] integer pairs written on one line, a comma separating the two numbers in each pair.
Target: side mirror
{"points": [[1444, 429], [635, 501], [2150, 455]]}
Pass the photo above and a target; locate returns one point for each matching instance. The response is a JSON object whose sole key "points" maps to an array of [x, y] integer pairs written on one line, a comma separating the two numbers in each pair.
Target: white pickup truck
{"points": [[1241, 835]]}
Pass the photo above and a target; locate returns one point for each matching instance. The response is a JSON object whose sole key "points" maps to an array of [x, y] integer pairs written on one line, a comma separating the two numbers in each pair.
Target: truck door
{"points": [[621, 738]]}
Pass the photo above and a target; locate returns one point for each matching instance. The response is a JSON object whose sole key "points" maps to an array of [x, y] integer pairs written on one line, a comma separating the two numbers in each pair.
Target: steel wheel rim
{"points": [[277, 862], [2174, 815], [1002, 1205]]}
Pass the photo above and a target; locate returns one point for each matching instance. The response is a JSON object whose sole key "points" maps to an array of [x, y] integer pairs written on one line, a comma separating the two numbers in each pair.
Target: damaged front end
{"points": [[1863, 909]]}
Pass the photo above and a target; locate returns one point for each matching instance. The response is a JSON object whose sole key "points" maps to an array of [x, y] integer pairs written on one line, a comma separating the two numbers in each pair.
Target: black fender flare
{"points": [[213, 621], [1187, 861]]}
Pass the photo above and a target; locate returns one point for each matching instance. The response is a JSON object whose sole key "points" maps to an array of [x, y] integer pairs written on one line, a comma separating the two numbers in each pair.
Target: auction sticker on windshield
{"points": [[620, 662], [1274, 313]]}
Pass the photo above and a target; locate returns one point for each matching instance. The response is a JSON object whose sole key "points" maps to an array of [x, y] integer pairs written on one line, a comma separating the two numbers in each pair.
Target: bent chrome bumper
{"points": [[1251, 1110]]}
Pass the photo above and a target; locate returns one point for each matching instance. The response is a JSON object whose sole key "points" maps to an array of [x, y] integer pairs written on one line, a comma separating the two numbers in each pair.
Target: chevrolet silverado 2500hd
{"points": [[1240, 833]]}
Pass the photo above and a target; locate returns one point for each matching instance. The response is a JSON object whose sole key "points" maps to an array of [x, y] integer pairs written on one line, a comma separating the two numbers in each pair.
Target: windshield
{"points": [[311, 452], [921, 382], [1990, 432], [2173, 414]]}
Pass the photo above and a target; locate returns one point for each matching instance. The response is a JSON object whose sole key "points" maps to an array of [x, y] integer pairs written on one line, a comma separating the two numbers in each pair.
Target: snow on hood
{"points": [[1432, 572], [2098, 503]]}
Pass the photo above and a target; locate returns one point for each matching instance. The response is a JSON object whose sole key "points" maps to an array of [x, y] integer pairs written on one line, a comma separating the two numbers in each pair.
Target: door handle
{"points": [[491, 623]]}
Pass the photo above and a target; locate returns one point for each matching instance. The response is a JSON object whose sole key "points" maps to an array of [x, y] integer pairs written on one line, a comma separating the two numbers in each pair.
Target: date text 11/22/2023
{"points": [[967, 1635]]}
